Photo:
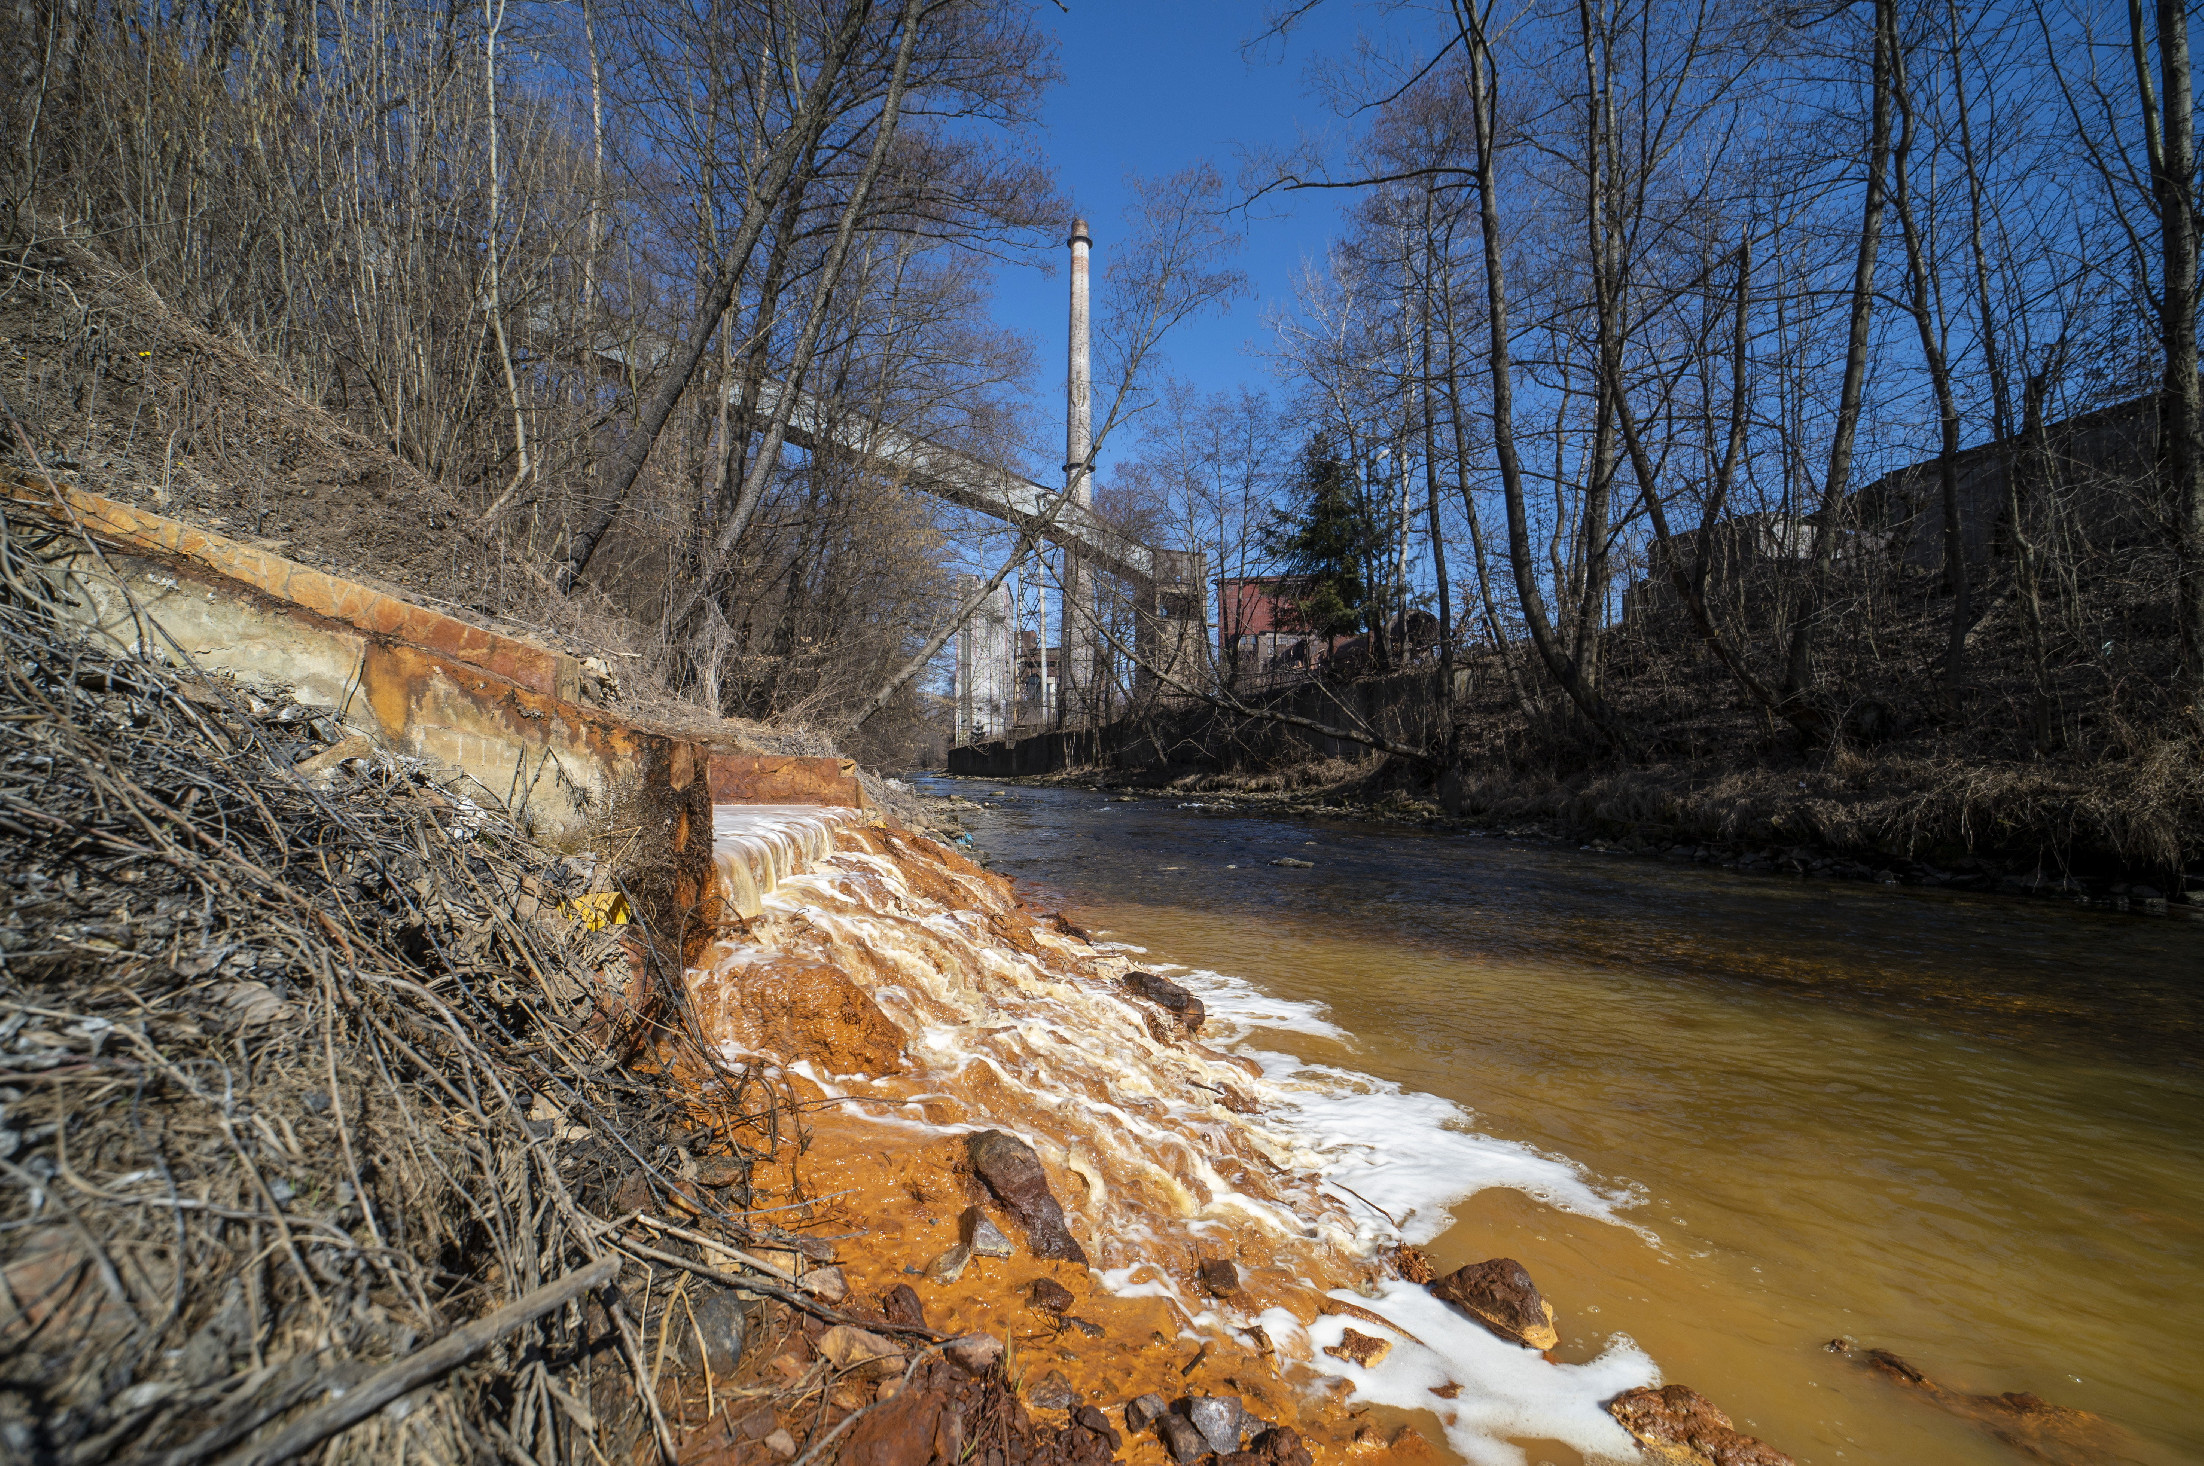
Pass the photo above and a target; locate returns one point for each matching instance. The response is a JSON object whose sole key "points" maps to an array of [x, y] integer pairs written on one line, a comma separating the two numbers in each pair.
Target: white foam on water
{"points": [[1239, 1003], [1414, 1155], [1505, 1390]]}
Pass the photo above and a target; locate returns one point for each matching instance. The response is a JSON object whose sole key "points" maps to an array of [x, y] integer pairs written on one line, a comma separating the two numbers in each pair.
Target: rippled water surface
{"points": [[1965, 1129]]}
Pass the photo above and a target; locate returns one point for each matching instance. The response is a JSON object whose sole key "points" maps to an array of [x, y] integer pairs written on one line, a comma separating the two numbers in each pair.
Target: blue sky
{"points": [[1148, 88]]}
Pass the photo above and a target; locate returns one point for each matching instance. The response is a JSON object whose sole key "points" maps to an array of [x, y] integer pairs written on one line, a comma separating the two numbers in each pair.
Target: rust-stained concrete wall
{"points": [[775, 778], [490, 709]]}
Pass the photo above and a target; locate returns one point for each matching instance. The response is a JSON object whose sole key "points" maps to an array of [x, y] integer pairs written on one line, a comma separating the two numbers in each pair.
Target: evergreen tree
{"points": [[1324, 542]]}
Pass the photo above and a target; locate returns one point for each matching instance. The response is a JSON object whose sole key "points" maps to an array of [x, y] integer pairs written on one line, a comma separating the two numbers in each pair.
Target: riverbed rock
{"points": [[853, 1350], [901, 1306], [1292, 864], [1411, 1263], [1169, 996], [1144, 1411], [1052, 1392], [1086, 1417], [799, 1010], [1499, 1294], [1281, 1446], [1048, 1295], [974, 1353], [1181, 1439], [827, 1284], [1677, 1424], [950, 1266], [717, 1171], [1365, 1350], [982, 1235], [2028, 1423], [1013, 1173], [917, 1426], [723, 1320], [1219, 1276], [1220, 1418]]}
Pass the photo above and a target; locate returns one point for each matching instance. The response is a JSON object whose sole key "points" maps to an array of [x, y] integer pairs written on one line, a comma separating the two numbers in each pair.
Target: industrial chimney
{"points": [[1079, 377], [1074, 674]]}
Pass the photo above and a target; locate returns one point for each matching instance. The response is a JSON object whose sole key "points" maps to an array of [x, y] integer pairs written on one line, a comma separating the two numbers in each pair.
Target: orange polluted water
{"points": [[1962, 1129], [907, 1001]]}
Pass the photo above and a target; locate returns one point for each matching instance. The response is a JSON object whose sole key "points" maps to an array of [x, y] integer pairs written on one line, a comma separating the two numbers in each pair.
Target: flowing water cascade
{"points": [[907, 999]]}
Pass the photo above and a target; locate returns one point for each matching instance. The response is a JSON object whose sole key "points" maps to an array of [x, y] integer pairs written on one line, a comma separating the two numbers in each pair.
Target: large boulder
{"points": [[1499, 1294], [1013, 1173]]}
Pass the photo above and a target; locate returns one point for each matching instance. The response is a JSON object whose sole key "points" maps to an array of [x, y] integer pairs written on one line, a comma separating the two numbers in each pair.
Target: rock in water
{"points": [[1013, 1173], [1048, 1295], [2028, 1423], [1052, 1392], [982, 1235], [1087, 1418], [1679, 1425], [1411, 1262], [900, 1305], [948, 1267], [1169, 996], [1366, 1350], [1281, 1446], [1219, 1276], [1181, 1439], [1145, 1411], [974, 1353], [1499, 1294], [1219, 1418]]}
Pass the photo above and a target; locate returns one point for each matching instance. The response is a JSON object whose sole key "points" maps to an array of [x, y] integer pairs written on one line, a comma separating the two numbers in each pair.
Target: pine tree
{"points": [[1323, 543]]}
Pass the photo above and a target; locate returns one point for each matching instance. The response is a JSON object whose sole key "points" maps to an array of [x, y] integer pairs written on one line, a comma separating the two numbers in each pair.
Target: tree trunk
{"points": [[1799, 671], [2171, 132], [797, 141]]}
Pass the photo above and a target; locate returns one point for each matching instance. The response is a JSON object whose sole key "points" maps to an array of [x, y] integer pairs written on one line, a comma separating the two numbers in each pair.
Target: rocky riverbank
{"points": [[1056, 1220]]}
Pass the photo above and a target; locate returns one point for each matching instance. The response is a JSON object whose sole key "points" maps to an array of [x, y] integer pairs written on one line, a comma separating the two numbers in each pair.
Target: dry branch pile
{"points": [[310, 1095]]}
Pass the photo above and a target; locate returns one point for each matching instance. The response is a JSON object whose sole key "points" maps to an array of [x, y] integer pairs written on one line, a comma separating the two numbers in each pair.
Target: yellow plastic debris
{"points": [[599, 909]]}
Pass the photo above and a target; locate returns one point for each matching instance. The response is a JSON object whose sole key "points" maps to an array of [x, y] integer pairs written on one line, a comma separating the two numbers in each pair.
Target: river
{"points": [[1965, 1129]]}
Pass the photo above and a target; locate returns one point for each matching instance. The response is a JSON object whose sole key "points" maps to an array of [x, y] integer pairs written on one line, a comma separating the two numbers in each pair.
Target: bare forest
{"points": [[1736, 414], [1775, 423], [489, 301]]}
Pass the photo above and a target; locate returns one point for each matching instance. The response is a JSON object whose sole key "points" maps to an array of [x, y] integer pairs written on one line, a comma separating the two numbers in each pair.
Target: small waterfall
{"points": [[908, 991], [757, 846]]}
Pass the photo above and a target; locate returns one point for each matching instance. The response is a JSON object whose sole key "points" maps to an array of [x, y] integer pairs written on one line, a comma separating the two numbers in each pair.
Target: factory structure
{"points": [[1012, 677]]}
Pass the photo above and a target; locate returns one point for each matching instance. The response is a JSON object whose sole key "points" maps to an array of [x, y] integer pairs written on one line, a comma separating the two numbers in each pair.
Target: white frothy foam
{"points": [[1412, 1155], [1240, 1004], [1505, 1390]]}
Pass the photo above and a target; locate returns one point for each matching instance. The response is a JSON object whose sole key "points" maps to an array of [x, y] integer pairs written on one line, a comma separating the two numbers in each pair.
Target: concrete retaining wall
{"points": [[493, 711]]}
